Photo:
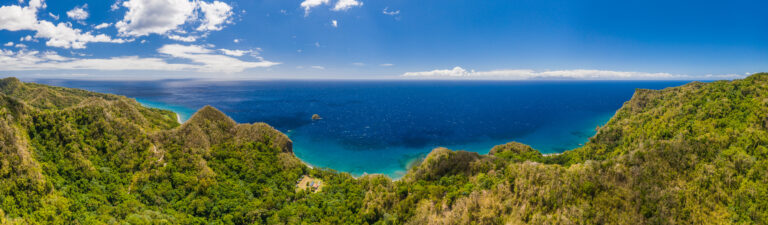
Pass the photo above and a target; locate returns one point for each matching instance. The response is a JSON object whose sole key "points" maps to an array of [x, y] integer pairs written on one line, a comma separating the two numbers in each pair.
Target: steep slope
{"points": [[691, 154]]}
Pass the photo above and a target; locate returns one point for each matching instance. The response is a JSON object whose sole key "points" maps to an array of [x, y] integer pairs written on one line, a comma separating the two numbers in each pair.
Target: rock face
{"points": [[316, 117]]}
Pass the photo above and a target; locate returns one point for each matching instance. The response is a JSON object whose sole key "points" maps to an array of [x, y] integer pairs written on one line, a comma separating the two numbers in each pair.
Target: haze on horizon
{"points": [[400, 39]]}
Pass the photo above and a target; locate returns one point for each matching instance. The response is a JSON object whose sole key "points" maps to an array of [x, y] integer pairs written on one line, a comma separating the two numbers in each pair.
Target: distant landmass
{"points": [[694, 154]]}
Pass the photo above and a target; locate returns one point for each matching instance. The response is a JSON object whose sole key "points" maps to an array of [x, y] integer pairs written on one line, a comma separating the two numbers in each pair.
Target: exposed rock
{"points": [[316, 117]]}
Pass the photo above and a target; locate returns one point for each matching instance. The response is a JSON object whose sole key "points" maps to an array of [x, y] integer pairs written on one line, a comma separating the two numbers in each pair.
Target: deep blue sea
{"points": [[382, 126]]}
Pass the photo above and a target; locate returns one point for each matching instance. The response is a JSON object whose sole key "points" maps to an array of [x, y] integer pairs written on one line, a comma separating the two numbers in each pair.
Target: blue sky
{"points": [[361, 39]]}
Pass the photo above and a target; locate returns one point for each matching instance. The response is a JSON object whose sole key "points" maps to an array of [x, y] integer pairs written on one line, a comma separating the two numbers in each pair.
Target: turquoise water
{"points": [[183, 112], [554, 136], [383, 126]]}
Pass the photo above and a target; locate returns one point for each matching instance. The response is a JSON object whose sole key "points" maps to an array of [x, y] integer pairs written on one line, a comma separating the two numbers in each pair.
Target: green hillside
{"points": [[695, 154]]}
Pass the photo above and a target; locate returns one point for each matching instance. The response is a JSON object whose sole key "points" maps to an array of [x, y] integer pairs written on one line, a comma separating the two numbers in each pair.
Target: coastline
{"points": [[180, 111], [394, 177]]}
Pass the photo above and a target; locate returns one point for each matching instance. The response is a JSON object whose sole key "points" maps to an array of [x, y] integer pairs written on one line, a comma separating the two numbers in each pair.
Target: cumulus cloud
{"points": [[9, 44], [78, 13], [64, 36], [16, 18], [200, 59], [343, 5], [154, 16], [170, 17], [309, 4], [334, 23], [215, 14], [580, 74]]}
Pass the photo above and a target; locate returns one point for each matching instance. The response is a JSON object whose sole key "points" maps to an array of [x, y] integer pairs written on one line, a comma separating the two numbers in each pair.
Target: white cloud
{"points": [[309, 4], [55, 17], [115, 6], [201, 59], [216, 14], [102, 26], [170, 18], [64, 36], [390, 13], [317, 44], [211, 62], [36, 4], [78, 13], [236, 40], [343, 5], [318, 67], [181, 38], [235, 52], [9, 44], [20, 45], [358, 64], [146, 17], [15, 18], [580, 74], [334, 23], [387, 64], [26, 38]]}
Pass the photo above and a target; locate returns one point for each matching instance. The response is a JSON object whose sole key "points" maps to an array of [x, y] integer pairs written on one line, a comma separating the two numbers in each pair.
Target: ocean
{"points": [[382, 126]]}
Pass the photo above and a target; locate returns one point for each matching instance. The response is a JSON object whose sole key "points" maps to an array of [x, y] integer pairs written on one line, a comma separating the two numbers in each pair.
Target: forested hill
{"points": [[695, 154]]}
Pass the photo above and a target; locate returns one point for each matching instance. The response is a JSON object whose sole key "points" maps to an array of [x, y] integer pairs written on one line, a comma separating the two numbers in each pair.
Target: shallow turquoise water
{"points": [[183, 112]]}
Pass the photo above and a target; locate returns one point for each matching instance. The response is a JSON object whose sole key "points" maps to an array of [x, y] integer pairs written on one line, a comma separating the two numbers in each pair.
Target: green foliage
{"points": [[516, 152], [691, 154]]}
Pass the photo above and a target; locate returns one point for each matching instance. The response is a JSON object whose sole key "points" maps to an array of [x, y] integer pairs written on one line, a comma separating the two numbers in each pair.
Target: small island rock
{"points": [[316, 117]]}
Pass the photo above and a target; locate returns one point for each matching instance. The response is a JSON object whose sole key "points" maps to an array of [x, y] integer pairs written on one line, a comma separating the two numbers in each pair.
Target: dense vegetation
{"points": [[691, 154]]}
